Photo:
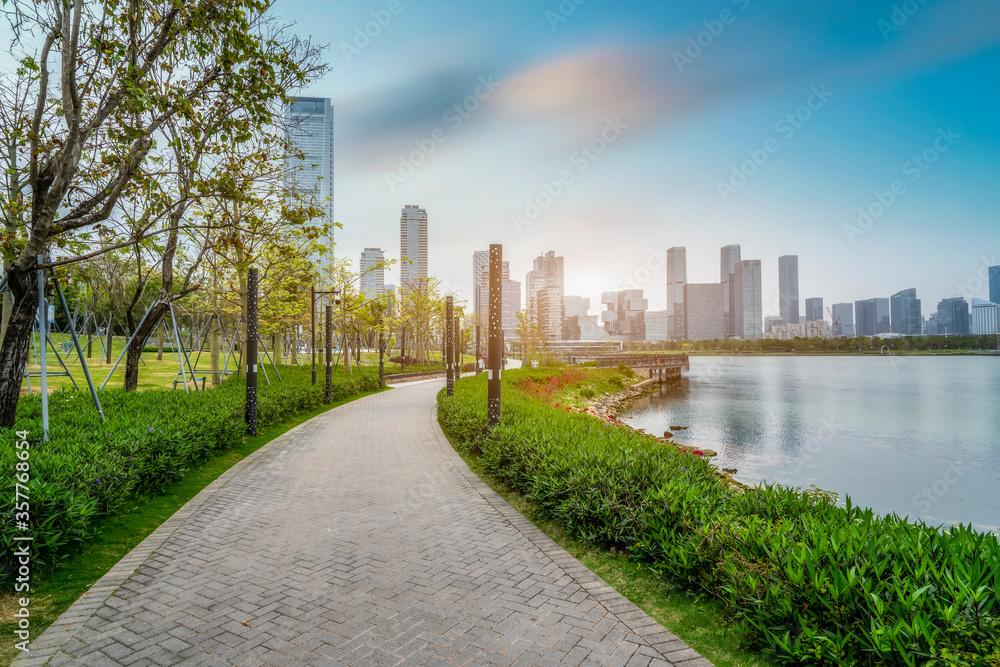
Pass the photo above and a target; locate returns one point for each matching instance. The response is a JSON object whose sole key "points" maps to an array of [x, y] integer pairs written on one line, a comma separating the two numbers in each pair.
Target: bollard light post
{"points": [[251, 407], [448, 343], [329, 354], [494, 348]]}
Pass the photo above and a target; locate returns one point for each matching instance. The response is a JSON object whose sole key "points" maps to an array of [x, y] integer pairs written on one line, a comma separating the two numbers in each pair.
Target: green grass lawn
{"points": [[119, 534]]}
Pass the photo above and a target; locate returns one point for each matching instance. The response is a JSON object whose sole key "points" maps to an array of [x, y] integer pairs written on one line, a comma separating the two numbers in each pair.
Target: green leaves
{"points": [[89, 469], [812, 583]]}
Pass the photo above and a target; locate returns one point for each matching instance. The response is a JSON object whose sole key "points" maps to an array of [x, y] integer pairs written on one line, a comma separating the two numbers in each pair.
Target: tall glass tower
{"points": [[788, 288], [995, 284], [412, 245], [676, 280], [309, 127], [729, 258]]}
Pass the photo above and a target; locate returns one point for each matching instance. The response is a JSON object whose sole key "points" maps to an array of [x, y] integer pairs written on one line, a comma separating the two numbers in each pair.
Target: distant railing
{"points": [[633, 360]]}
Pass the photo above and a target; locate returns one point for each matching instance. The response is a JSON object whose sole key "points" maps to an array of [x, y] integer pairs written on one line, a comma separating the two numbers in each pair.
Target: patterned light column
{"points": [[251, 409], [494, 349], [449, 343], [329, 354]]}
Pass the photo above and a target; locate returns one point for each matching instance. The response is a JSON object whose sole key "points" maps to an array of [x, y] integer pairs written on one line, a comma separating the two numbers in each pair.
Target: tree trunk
{"points": [[111, 328], [277, 349], [16, 343], [8, 306], [138, 342], [214, 353], [159, 346]]}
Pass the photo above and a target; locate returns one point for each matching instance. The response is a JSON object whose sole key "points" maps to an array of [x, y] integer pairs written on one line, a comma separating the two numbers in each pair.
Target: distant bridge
{"points": [[663, 367]]}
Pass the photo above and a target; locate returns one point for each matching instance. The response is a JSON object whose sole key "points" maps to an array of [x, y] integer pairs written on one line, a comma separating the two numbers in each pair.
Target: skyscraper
{"points": [[907, 319], [481, 289], [748, 302], [871, 317], [576, 305], [703, 311], [995, 284], [788, 288], [843, 320], [676, 280], [309, 127], [546, 271], [984, 318], [953, 316], [372, 274], [729, 258], [412, 245], [814, 309]]}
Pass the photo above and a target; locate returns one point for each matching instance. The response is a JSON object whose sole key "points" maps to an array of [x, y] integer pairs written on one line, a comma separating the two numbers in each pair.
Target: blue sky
{"points": [[767, 124]]}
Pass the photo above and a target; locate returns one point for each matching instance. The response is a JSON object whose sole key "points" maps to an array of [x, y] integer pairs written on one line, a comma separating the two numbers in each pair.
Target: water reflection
{"points": [[882, 430]]}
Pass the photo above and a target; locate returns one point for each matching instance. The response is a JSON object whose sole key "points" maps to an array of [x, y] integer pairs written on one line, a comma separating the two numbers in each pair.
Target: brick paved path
{"points": [[359, 538]]}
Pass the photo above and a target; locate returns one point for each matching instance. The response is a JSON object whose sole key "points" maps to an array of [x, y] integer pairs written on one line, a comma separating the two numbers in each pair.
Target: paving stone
{"points": [[357, 538]]}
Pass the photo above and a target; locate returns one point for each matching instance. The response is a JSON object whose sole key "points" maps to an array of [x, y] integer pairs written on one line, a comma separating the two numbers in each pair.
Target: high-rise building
{"points": [[704, 313], [549, 304], [481, 286], [994, 272], [906, 317], [623, 319], [788, 288], [953, 316], [372, 272], [676, 280], [843, 320], [748, 302], [309, 128], [654, 324], [984, 318], [546, 271], [511, 306], [872, 317], [729, 258], [576, 305], [814, 309], [412, 245]]}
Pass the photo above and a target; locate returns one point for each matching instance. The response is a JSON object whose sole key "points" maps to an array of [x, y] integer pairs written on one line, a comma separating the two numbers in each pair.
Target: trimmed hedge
{"points": [[810, 583], [88, 469]]}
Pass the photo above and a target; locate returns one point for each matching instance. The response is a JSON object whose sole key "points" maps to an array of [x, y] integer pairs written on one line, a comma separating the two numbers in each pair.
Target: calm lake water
{"points": [[918, 436]]}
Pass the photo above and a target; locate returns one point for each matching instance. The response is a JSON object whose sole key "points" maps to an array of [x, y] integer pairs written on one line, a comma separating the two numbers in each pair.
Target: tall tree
{"points": [[98, 91]]}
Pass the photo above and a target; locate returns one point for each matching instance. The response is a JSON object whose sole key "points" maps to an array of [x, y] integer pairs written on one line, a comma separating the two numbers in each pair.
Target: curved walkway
{"points": [[358, 538]]}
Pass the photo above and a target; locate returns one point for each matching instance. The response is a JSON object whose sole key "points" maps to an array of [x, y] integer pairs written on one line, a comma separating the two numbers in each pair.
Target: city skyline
{"points": [[513, 116]]}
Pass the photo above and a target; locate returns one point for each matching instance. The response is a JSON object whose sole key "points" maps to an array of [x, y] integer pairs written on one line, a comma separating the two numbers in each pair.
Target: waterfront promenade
{"points": [[358, 538]]}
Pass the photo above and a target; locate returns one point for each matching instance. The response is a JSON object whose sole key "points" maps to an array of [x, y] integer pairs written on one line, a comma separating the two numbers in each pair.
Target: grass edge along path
{"points": [[698, 621], [122, 532]]}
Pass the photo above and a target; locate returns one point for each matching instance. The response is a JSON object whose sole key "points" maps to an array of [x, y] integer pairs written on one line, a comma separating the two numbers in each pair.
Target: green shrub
{"points": [[808, 581], [88, 469]]}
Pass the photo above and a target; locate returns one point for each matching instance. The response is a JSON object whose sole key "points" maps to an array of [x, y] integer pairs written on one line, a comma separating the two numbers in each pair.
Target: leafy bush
{"points": [[88, 469], [808, 581]]}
